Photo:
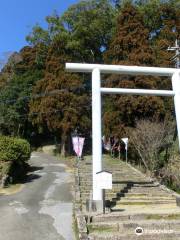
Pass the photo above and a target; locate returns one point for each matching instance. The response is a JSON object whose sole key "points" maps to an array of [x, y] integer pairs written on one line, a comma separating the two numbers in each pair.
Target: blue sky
{"points": [[17, 17]]}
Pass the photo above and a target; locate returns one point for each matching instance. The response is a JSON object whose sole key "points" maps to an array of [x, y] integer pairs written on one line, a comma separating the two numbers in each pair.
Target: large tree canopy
{"points": [[131, 46], [86, 28], [65, 110], [94, 31], [144, 31]]}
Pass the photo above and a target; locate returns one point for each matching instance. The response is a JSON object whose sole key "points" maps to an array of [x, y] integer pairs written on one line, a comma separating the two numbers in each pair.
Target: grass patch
{"points": [[107, 160], [139, 203], [165, 217], [11, 189], [96, 228], [75, 228], [134, 203], [110, 160]]}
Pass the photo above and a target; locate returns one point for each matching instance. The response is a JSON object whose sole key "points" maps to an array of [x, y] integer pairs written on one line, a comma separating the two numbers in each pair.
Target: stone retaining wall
{"points": [[78, 214]]}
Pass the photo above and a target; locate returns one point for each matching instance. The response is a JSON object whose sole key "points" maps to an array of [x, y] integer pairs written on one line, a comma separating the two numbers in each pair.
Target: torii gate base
{"points": [[96, 70]]}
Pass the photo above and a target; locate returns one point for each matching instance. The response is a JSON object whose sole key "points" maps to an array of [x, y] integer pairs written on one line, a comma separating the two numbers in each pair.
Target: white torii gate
{"points": [[96, 70]]}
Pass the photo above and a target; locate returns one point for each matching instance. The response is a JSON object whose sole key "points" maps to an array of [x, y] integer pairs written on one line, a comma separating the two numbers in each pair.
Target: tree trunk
{"points": [[69, 144], [63, 147], [4, 181]]}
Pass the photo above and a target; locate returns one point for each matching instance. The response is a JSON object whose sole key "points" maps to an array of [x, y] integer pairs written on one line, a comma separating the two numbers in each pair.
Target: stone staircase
{"points": [[135, 201]]}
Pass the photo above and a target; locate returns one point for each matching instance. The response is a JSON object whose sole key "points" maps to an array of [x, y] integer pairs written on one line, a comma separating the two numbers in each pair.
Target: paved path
{"points": [[43, 209]]}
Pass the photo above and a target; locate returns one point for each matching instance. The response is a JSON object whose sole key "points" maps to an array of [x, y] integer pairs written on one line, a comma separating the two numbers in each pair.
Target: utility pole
{"points": [[176, 57]]}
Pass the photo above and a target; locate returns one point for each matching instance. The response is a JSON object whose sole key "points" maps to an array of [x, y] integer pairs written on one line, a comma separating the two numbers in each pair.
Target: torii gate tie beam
{"points": [[96, 70]]}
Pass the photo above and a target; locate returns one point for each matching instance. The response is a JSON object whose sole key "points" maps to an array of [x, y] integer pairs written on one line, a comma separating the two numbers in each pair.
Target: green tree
{"points": [[89, 26], [86, 28], [19, 74], [169, 32], [131, 46], [40, 40], [68, 108]]}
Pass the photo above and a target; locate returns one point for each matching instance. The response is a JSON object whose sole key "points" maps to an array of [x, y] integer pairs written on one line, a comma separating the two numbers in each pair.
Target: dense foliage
{"points": [[14, 149], [14, 154], [39, 97]]}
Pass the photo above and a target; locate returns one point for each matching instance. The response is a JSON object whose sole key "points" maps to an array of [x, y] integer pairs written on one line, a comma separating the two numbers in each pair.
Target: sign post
{"points": [[125, 140], [104, 181]]}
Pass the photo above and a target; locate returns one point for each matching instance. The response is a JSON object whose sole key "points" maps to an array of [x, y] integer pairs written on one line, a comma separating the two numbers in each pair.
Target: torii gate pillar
{"points": [[176, 89], [96, 131]]}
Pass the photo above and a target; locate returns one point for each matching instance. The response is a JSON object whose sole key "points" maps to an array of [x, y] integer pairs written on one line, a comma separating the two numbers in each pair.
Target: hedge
{"points": [[14, 149], [14, 154]]}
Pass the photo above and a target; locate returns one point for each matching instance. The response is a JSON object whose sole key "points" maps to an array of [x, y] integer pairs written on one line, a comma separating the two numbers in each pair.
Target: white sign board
{"points": [[104, 180], [125, 140]]}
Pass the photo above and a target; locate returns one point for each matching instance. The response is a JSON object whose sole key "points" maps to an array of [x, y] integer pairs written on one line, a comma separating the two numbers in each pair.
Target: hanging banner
{"points": [[106, 144], [78, 143]]}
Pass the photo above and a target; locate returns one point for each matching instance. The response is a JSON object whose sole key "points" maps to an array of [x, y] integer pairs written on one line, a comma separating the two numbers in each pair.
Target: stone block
{"points": [[178, 201], [95, 206]]}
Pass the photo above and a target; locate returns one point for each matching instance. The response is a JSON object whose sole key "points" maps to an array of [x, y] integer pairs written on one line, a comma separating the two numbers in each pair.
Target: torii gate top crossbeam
{"points": [[133, 70]]}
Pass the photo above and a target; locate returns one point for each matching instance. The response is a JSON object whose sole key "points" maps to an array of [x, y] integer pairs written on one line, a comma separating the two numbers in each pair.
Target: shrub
{"points": [[14, 154], [14, 149], [150, 138], [170, 175]]}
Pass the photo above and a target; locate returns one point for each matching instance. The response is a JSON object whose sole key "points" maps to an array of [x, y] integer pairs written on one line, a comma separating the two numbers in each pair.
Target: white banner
{"points": [[78, 143]]}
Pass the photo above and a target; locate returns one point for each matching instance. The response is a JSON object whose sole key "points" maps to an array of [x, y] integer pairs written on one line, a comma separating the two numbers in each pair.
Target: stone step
{"points": [[150, 198], [119, 197], [119, 176], [160, 194], [140, 195], [85, 183], [85, 189], [119, 216], [130, 198], [109, 194], [114, 182], [120, 192], [128, 188], [144, 202], [147, 193], [144, 186], [116, 188], [130, 226], [115, 168], [145, 236], [124, 193], [119, 180], [166, 208], [145, 190], [153, 193]]}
